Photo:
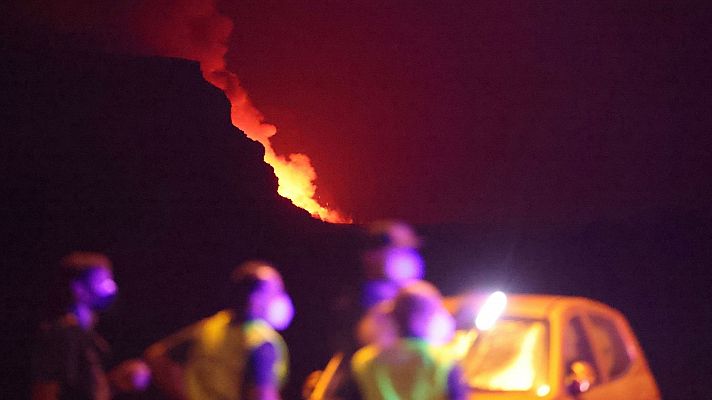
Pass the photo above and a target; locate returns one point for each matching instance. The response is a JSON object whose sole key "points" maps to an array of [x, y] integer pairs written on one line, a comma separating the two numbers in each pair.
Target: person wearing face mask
{"points": [[68, 357], [390, 261], [235, 354], [414, 366]]}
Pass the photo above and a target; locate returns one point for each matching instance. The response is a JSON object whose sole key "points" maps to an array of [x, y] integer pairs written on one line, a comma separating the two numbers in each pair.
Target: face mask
{"points": [[280, 312], [441, 328], [102, 287], [403, 264]]}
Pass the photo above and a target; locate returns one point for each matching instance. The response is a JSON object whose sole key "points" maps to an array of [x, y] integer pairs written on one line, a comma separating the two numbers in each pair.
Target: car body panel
{"points": [[633, 382], [593, 331]]}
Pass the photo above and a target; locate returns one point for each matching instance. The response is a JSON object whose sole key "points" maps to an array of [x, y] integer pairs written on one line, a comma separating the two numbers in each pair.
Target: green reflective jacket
{"points": [[215, 369], [410, 370]]}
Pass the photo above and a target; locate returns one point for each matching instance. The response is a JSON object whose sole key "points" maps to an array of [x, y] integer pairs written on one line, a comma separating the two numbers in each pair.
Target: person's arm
{"points": [[261, 380], [456, 388], [48, 365], [165, 358]]}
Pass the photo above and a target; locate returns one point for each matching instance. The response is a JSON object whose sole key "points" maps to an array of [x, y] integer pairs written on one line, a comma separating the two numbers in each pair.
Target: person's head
{"points": [[259, 293], [418, 312], [390, 269], [397, 264], [391, 252], [391, 233], [88, 279]]}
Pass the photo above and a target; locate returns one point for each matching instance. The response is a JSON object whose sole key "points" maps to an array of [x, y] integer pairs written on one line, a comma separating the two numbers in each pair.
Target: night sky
{"points": [[470, 111], [461, 111]]}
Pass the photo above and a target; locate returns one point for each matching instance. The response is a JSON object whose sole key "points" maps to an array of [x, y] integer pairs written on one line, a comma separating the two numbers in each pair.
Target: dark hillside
{"points": [[136, 157]]}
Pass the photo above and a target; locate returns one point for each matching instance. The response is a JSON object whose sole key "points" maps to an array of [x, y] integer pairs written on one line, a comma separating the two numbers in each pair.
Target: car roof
{"points": [[532, 306], [535, 306]]}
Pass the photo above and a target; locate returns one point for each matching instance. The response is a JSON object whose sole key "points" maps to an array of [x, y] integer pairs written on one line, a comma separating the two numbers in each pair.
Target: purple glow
{"points": [[106, 288], [141, 377], [101, 288], [441, 328], [280, 312], [377, 291], [101, 282], [403, 264]]}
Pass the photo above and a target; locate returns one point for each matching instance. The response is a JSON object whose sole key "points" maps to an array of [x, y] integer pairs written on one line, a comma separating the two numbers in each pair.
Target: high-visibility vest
{"points": [[218, 357], [411, 369]]}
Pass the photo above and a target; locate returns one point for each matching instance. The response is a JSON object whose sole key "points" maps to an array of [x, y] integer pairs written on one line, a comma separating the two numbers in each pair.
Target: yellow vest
{"points": [[409, 370], [215, 369]]}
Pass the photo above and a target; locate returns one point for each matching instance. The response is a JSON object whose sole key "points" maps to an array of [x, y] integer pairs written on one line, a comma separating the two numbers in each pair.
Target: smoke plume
{"points": [[194, 30]]}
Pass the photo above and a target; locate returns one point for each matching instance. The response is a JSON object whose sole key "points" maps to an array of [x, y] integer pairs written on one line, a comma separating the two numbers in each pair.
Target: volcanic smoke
{"points": [[194, 29]]}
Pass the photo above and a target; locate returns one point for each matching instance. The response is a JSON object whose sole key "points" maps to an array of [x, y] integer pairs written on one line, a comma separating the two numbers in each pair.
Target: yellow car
{"points": [[532, 347], [548, 347]]}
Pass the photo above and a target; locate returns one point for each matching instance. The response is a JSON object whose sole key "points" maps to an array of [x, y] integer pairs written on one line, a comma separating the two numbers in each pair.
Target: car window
{"points": [[614, 359], [509, 357], [576, 346]]}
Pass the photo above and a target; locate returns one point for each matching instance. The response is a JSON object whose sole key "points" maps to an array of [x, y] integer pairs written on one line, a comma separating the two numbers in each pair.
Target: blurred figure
{"points": [[235, 354], [413, 367], [392, 233], [68, 358], [391, 261]]}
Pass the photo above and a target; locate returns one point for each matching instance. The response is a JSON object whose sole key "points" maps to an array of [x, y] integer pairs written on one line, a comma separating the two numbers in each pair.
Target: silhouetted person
{"points": [[235, 354], [68, 357], [414, 367], [390, 260]]}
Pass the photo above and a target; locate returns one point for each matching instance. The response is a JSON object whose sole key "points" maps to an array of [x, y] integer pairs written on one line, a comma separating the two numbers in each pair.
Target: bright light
{"points": [[492, 309], [543, 390]]}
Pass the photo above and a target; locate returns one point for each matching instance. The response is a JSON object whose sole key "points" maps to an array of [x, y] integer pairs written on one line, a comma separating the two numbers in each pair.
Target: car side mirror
{"points": [[580, 377], [310, 384]]}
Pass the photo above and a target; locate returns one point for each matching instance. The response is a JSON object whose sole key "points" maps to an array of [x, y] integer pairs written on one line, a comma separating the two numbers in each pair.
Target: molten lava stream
{"points": [[295, 179]]}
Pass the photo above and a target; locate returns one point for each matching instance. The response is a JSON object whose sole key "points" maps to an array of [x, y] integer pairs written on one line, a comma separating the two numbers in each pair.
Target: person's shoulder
{"points": [[220, 318], [258, 332], [208, 330], [364, 357]]}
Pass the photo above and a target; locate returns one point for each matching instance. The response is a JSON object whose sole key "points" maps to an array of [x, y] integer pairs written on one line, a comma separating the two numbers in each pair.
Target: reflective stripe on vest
{"points": [[410, 370]]}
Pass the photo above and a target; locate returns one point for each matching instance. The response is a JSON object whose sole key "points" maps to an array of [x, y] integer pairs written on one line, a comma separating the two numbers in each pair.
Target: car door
{"points": [[619, 360], [576, 348]]}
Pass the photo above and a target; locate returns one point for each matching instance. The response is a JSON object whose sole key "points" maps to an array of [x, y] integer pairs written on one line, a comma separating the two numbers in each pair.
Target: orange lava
{"points": [[195, 29], [295, 174]]}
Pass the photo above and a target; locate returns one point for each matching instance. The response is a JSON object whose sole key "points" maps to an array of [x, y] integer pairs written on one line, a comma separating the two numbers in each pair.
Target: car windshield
{"points": [[511, 356]]}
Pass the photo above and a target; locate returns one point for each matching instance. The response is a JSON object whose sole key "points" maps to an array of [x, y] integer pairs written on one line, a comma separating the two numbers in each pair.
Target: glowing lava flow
{"points": [[295, 178], [295, 174], [195, 29]]}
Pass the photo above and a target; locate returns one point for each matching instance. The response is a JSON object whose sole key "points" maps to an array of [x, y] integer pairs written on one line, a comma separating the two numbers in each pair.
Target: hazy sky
{"points": [[481, 111], [461, 111]]}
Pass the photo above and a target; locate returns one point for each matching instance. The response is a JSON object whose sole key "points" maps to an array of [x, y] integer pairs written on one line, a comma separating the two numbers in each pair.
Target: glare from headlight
{"points": [[492, 309]]}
